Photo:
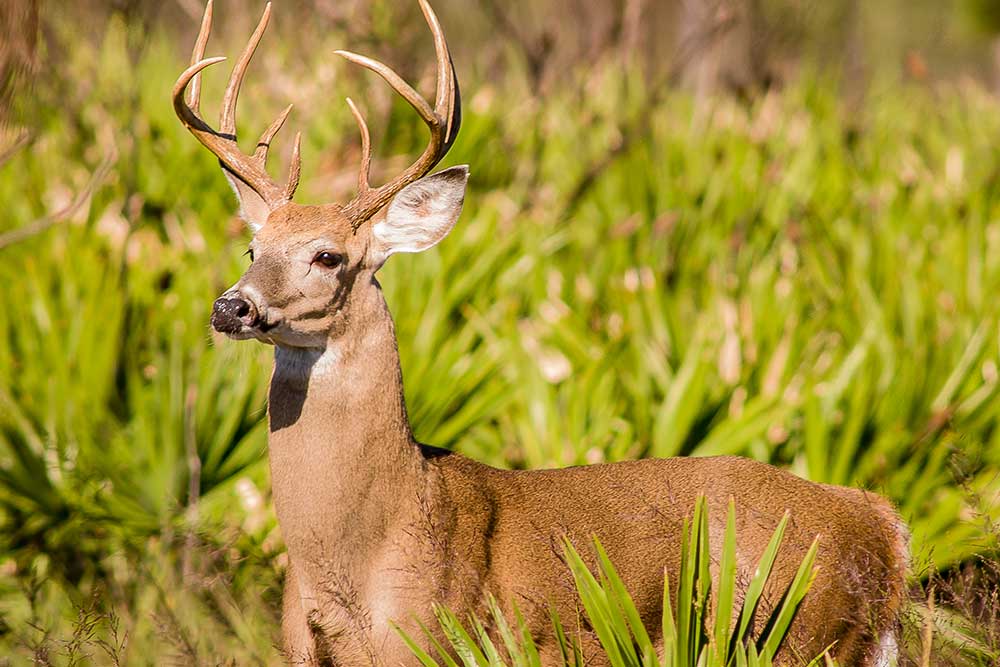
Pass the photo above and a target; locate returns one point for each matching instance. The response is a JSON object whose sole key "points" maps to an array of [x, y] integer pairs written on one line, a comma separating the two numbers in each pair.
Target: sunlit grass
{"points": [[779, 279]]}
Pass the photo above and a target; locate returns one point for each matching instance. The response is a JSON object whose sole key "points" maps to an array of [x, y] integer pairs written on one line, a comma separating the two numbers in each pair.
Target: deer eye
{"points": [[328, 259]]}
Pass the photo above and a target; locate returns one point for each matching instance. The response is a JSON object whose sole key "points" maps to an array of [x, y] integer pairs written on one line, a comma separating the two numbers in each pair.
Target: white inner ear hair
{"points": [[253, 210], [420, 216]]}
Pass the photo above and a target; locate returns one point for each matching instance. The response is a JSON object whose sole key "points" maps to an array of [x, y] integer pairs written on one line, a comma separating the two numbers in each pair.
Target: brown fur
{"points": [[379, 527]]}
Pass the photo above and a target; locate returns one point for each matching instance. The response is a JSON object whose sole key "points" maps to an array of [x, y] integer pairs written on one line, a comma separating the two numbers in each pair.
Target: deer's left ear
{"points": [[422, 213], [253, 209]]}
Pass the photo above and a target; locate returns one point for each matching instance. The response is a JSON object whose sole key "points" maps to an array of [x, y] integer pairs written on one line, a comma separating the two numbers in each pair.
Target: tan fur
{"points": [[379, 527]]}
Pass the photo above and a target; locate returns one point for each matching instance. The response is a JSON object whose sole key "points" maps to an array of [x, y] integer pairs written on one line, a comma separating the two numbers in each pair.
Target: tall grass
{"points": [[633, 276]]}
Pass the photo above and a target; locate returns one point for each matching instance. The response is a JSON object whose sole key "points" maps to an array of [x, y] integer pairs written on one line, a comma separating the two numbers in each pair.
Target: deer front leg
{"points": [[297, 637]]}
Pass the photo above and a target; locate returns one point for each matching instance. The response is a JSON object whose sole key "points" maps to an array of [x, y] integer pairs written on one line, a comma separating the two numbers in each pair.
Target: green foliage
{"points": [[985, 14], [215, 607], [634, 275], [689, 638]]}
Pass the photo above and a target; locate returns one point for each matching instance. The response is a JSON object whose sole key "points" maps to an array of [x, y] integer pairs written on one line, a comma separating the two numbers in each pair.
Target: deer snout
{"points": [[231, 313]]}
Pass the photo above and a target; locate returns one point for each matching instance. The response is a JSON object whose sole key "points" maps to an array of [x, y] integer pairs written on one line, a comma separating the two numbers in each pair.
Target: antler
{"points": [[443, 120], [244, 169]]}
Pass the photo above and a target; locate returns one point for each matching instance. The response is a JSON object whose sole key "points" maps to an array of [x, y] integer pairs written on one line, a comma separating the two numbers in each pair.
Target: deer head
{"points": [[307, 261]]}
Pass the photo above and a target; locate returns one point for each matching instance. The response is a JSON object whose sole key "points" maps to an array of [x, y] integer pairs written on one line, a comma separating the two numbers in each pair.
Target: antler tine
{"points": [[227, 116], [225, 148], [247, 169], [445, 93], [395, 81], [294, 168], [366, 148], [264, 143], [447, 101], [455, 111], [198, 54], [443, 121], [188, 114]]}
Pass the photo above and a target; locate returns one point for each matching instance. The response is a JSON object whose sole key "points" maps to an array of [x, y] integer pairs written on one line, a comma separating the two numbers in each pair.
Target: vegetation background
{"points": [[757, 227]]}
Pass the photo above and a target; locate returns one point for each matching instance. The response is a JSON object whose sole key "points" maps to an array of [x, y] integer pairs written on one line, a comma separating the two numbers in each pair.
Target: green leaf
{"points": [[756, 587]]}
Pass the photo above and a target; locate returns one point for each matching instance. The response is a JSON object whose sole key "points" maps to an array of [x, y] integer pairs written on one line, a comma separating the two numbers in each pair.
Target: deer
{"points": [[379, 528]]}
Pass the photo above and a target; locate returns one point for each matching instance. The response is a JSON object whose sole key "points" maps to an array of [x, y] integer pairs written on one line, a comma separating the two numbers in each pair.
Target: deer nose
{"points": [[231, 313]]}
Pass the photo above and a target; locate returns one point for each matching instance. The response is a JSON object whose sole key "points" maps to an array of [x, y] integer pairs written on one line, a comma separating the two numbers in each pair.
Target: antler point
{"points": [[350, 56]]}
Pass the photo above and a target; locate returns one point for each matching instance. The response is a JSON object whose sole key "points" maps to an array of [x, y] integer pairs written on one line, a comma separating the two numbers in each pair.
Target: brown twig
{"points": [[44, 223], [22, 140], [631, 29], [927, 638]]}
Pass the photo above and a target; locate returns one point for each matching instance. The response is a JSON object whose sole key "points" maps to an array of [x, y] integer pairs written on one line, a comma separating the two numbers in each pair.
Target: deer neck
{"points": [[344, 465]]}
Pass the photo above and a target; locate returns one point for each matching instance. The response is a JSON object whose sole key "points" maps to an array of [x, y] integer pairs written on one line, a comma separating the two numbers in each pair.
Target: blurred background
{"points": [[757, 227]]}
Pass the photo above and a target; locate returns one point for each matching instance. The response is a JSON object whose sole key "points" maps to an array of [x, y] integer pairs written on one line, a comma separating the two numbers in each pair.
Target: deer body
{"points": [[379, 528]]}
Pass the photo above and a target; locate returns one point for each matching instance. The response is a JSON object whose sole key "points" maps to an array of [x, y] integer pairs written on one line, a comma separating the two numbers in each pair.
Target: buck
{"points": [[379, 528]]}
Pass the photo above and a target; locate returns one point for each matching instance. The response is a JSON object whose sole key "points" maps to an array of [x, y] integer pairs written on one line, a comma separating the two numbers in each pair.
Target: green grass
{"points": [[783, 279]]}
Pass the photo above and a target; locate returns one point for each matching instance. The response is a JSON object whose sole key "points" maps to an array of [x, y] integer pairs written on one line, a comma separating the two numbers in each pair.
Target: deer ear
{"points": [[253, 209], [422, 213]]}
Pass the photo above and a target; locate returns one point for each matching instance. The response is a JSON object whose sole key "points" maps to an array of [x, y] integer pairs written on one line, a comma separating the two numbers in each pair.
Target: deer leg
{"points": [[297, 637]]}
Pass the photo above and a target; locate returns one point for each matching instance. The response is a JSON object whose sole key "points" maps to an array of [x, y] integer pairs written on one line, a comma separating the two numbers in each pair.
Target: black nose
{"points": [[231, 313]]}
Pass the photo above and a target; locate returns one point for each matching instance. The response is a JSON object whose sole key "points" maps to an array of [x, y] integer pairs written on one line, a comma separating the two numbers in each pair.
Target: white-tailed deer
{"points": [[380, 527]]}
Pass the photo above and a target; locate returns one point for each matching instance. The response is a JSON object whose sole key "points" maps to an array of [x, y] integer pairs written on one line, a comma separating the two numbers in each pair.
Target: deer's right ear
{"points": [[253, 209], [422, 213]]}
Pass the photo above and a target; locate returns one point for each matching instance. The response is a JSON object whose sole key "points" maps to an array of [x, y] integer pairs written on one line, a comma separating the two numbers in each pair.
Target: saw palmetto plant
{"points": [[703, 625], [785, 278]]}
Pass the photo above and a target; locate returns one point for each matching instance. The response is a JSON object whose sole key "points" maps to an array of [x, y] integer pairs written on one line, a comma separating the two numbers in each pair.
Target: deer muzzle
{"points": [[232, 313]]}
